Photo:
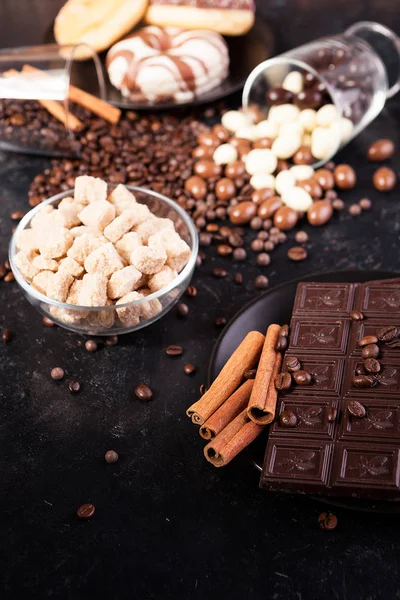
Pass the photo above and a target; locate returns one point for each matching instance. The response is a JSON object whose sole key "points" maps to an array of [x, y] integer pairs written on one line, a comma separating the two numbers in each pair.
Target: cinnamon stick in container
{"points": [[230, 377], [228, 411], [262, 403], [232, 440]]}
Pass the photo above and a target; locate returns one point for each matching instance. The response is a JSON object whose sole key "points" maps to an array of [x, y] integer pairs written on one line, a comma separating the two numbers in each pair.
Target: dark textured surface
{"points": [[167, 524]]}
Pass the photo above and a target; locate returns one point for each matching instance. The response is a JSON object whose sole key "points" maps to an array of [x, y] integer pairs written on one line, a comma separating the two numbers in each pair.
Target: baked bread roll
{"points": [[228, 17], [156, 64], [98, 23]]}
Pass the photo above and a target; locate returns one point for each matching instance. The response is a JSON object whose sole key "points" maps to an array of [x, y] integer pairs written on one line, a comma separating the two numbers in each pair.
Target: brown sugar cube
{"points": [[122, 199], [24, 262], [73, 294], [83, 246], [68, 316], [152, 307], [28, 240], [124, 281], [59, 285], [120, 225], [97, 214], [151, 226], [105, 260], [127, 244], [93, 291], [70, 210], [71, 266], [41, 281], [55, 242], [161, 279], [177, 250], [101, 320], [81, 229], [130, 315], [44, 264], [148, 260], [89, 189], [47, 217]]}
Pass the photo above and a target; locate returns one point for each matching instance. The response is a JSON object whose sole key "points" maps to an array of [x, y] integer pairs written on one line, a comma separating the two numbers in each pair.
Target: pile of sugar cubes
{"points": [[100, 249]]}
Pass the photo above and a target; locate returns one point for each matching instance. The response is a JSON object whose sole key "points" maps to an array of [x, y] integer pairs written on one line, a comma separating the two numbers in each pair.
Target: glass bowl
{"points": [[104, 320]]}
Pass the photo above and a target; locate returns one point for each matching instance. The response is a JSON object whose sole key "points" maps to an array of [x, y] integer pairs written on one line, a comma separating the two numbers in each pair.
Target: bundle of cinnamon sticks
{"points": [[235, 410]]}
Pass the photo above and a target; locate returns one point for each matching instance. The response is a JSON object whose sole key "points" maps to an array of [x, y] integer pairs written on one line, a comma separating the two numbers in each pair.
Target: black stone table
{"points": [[168, 524]]}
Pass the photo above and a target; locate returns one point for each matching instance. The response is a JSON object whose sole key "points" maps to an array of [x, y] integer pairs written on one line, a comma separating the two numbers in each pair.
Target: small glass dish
{"points": [[104, 320]]}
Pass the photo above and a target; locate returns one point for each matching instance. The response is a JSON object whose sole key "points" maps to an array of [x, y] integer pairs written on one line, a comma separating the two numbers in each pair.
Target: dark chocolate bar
{"points": [[330, 451]]}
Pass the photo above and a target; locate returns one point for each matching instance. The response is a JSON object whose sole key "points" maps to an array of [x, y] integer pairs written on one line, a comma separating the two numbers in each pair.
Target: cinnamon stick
{"points": [[232, 440], [262, 403], [95, 105], [228, 411], [245, 357]]}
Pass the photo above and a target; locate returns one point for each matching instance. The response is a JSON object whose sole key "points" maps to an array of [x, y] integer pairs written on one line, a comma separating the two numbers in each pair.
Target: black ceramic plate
{"points": [[245, 53], [276, 306]]}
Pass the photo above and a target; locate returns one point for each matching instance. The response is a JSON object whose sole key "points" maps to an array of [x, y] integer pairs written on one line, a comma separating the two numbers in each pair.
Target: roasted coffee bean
{"points": [[372, 365], [284, 331], [312, 187], [365, 203], [287, 418], [7, 265], [74, 386], [112, 340], [308, 98], [281, 344], [338, 204], [368, 339], [238, 279], [235, 239], [302, 377], [293, 364], [220, 322], [355, 210], [143, 392], [224, 250], [57, 373], [356, 315], [384, 179], [205, 238], [297, 253], [182, 309], [250, 374], [86, 511], [191, 291], [283, 381], [91, 345], [303, 156], [3, 271], [269, 207], [363, 381], [324, 178], [345, 177], [243, 213], [48, 322], [189, 369], [202, 389], [356, 409], [212, 228], [370, 351], [327, 521], [225, 189], [320, 212], [263, 259], [331, 414], [9, 278], [261, 282], [394, 344], [173, 350], [111, 457], [278, 95], [17, 215], [6, 335], [219, 273], [380, 150], [285, 218], [387, 334]]}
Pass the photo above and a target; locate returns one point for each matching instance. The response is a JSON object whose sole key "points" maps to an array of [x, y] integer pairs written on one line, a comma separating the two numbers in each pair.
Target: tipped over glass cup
{"points": [[338, 83]]}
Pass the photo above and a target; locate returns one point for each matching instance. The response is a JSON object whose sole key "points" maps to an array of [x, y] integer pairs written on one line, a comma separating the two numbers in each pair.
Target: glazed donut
{"points": [[228, 17], [156, 64]]}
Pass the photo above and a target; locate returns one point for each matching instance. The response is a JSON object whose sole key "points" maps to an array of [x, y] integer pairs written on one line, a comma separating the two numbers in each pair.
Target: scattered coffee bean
{"points": [[74, 386], [239, 254], [205, 239], [283, 381], [345, 177], [111, 457], [17, 215], [281, 344], [284, 331], [182, 309], [219, 273], [3, 271], [356, 409], [356, 315], [48, 322], [224, 250], [86, 511], [202, 389], [297, 253], [370, 351], [143, 392], [302, 377], [368, 339], [301, 237], [189, 369], [191, 291], [372, 365], [112, 340], [250, 374], [261, 282], [365, 203], [380, 150], [287, 418], [327, 521], [57, 373], [173, 350], [212, 228], [338, 204], [363, 381], [220, 321], [331, 414], [394, 344], [263, 259], [387, 334], [91, 345], [7, 265], [384, 179], [9, 277], [293, 364], [6, 336]]}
